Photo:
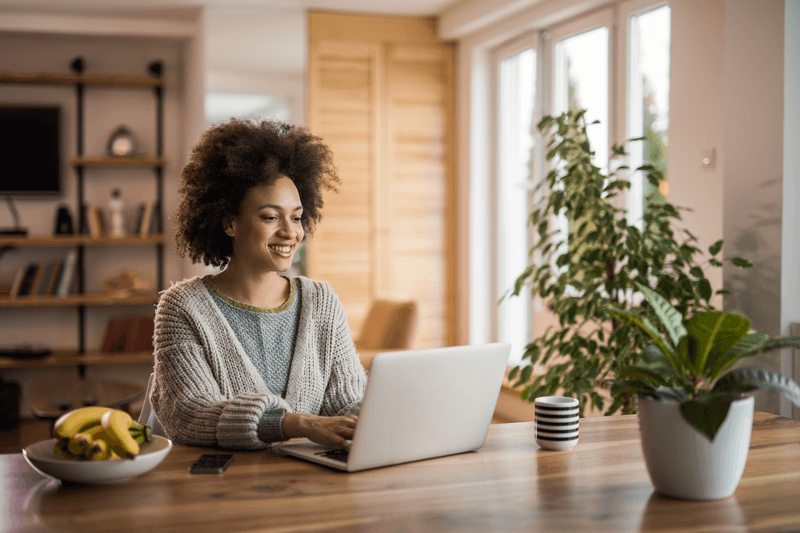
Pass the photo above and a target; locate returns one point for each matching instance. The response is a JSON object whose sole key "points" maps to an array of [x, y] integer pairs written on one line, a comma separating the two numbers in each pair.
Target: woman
{"points": [[250, 357]]}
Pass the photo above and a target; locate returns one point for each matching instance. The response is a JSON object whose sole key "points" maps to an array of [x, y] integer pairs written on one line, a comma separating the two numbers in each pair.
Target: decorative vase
{"points": [[682, 462]]}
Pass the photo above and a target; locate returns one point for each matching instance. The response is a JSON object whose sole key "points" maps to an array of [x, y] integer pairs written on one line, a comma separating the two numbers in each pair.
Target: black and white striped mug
{"points": [[556, 422]]}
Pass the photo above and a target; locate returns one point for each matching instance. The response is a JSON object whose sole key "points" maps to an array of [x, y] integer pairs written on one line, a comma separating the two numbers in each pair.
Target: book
{"points": [[93, 221], [102, 223], [144, 227], [116, 335], [140, 336], [129, 334], [17, 281], [137, 220], [67, 274], [44, 282], [54, 279], [155, 218], [27, 280]]}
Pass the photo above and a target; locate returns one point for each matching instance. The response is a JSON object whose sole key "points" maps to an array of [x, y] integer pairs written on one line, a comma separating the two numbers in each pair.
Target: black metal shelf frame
{"points": [[80, 90]]}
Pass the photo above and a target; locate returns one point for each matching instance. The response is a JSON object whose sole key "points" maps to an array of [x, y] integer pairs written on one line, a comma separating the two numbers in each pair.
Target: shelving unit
{"points": [[83, 163]]}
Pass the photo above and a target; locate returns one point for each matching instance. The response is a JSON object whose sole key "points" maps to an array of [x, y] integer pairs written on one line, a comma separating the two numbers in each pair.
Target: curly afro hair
{"points": [[230, 159]]}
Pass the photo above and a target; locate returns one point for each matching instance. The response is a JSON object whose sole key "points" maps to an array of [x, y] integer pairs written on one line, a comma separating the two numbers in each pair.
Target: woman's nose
{"points": [[287, 229]]}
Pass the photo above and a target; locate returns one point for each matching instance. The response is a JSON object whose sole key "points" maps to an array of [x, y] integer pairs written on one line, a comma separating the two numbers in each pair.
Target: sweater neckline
{"points": [[247, 307]]}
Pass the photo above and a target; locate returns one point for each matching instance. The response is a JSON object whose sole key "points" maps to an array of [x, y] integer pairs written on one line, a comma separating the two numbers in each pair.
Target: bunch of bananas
{"points": [[97, 433]]}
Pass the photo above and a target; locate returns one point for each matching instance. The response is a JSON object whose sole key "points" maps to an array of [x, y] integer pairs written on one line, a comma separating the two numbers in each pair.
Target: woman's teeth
{"points": [[285, 251]]}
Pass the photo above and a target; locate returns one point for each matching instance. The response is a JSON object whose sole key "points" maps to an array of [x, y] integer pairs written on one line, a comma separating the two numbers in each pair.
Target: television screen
{"points": [[29, 150]]}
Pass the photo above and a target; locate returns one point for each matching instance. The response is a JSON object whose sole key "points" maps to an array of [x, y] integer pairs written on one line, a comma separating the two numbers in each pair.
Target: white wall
{"points": [[753, 192], [696, 119], [258, 51]]}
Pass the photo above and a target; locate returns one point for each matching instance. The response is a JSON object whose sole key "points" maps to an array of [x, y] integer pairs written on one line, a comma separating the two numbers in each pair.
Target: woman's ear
{"points": [[229, 228]]}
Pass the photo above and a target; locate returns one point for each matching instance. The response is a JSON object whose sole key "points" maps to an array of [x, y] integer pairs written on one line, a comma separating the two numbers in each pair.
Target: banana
{"points": [[94, 430], [116, 424], [78, 443], [78, 420], [99, 450]]}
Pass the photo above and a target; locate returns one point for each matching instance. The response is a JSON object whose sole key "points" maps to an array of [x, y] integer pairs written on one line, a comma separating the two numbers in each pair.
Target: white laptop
{"points": [[419, 404]]}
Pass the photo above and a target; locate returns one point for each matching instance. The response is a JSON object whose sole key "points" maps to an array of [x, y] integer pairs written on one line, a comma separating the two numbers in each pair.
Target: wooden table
{"points": [[508, 485]]}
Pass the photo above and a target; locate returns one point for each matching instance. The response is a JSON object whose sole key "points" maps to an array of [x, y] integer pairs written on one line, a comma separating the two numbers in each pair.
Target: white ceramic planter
{"points": [[682, 463]]}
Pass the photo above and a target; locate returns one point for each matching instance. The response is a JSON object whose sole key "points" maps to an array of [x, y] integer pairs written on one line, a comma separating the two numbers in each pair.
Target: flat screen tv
{"points": [[30, 155]]}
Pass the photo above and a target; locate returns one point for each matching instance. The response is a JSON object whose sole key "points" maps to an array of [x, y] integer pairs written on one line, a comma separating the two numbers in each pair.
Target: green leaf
{"points": [[714, 334], [629, 387], [715, 248], [697, 272], [668, 315], [754, 344], [704, 289], [747, 379], [715, 262], [707, 415], [643, 373], [645, 325], [513, 373], [525, 374], [741, 262]]}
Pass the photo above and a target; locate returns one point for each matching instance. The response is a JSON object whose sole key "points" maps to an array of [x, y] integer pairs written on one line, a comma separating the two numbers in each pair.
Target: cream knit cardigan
{"points": [[206, 391]]}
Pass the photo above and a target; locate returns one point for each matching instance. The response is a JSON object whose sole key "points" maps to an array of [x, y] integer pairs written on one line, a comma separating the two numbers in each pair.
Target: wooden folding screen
{"points": [[381, 95]]}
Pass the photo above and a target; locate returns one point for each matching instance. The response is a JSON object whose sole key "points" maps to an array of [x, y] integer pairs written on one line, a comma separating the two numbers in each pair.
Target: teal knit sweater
{"points": [[267, 336]]}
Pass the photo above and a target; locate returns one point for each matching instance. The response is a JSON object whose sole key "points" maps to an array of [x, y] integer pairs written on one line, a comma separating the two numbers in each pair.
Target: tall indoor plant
{"points": [[599, 262], [695, 408]]}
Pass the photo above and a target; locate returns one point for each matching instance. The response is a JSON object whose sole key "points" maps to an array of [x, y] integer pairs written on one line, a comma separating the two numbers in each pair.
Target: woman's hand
{"points": [[331, 430]]}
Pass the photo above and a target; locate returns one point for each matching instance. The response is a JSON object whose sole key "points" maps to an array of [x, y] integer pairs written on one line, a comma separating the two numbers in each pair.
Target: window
{"points": [[647, 101], [580, 81], [515, 100], [614, 62]]}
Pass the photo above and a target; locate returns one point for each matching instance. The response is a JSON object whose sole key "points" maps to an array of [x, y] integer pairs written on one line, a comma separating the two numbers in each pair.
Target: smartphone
{"points": [[211, 463]]}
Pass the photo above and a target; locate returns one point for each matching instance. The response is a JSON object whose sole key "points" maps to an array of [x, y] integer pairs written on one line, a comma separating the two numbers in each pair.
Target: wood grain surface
{"points": [[508, 485]]}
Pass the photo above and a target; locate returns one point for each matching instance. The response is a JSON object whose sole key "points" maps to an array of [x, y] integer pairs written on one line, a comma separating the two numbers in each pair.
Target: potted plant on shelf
{"points": [[695, 411]]}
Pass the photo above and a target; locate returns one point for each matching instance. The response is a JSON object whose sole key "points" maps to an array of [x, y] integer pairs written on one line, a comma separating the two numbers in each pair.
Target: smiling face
{"points": [[268, 229]]}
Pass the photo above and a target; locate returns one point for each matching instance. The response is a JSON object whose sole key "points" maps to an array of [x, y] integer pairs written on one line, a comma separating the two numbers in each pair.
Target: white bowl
{"points": [[44, 460]]}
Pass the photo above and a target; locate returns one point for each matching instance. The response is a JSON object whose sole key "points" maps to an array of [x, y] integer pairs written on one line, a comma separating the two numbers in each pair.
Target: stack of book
{"points": [[54, 278], [129, 334], [145, 221]]}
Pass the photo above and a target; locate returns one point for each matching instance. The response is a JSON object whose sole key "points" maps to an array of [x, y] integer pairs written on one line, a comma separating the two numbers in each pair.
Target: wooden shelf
{"points": [[86, 240], [68, 359], [119, 162], [94, 299], [96, 80]]}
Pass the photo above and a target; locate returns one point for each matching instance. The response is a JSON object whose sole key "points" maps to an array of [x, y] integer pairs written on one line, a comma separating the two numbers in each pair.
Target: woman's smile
{"points": [[282, 250]]}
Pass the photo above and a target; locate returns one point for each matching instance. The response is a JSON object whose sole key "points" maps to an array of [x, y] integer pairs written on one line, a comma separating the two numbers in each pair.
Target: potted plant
{"points": [[592, 261], [695, 410]]}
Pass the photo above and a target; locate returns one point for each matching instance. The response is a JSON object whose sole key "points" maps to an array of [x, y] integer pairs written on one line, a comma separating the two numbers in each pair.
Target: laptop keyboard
{"points": [[337, 454]]}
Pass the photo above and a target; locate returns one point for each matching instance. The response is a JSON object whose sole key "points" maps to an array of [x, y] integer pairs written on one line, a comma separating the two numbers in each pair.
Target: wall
{"points": [[105, 109], [753, 192], [258, 51], [696, 119]]}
